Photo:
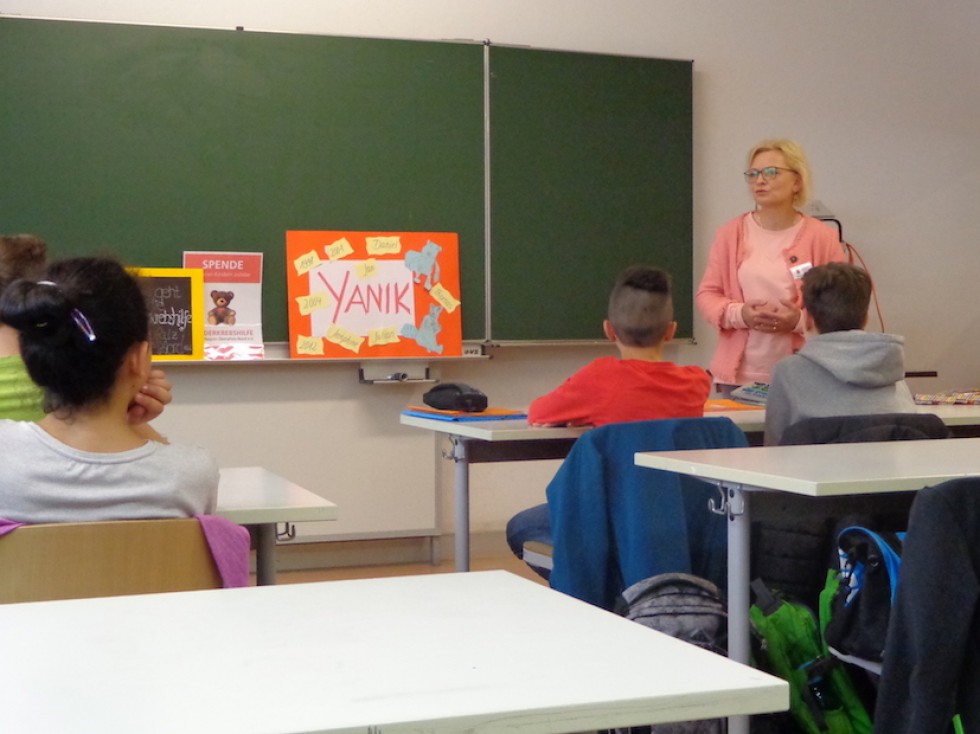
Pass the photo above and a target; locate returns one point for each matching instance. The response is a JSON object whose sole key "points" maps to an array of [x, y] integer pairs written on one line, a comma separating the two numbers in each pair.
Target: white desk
{"points": [[252, 495], [475, 442], [479, 652], [817, 471], [963, 421]]}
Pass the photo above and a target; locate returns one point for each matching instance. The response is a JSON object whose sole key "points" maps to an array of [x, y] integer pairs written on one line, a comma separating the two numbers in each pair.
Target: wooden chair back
{"points": [[89, 559]]}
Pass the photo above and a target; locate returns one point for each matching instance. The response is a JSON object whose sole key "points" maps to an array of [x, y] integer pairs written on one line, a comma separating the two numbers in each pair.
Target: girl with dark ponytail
{"points": [[84, 338], [24, 256]]}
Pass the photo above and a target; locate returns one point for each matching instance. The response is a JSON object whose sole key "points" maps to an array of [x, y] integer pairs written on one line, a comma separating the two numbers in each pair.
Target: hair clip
{"points": [[83, 325], [48, 282]]}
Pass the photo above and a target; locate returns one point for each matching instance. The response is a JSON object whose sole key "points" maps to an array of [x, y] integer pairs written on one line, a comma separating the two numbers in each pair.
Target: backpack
{"points": [[861, 595], [689, 608], [856, 602], [681, 605], [823, 699]]}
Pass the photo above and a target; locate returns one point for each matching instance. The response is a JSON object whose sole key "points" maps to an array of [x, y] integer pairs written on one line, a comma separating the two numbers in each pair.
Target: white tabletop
{"points": [[954, 415], [754, 421], [828, 469], [493, 430], [519, 430], [749, 420], [251, 495], [478, 652]]}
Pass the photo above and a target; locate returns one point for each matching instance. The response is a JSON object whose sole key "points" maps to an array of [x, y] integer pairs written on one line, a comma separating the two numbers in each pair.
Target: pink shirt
{"points": [[720, 291], [763, 277]]}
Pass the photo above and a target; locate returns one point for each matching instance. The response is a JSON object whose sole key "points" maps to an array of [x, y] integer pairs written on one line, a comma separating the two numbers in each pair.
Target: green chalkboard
{"points": [[591, 172], [148, 141]]}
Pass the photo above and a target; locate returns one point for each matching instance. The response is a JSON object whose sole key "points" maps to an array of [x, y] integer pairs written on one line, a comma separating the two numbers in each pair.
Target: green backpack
{"points": [[822, 696]]}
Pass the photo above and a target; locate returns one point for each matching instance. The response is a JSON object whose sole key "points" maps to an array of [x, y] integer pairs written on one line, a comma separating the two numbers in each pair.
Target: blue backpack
{"points": [[857, 601], [861, 605]]}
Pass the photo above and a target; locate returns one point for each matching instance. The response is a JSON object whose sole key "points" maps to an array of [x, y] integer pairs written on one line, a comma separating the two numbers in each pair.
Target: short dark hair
{"points": [[640, 306], [76, 325], [21, 256], [837, 296]]}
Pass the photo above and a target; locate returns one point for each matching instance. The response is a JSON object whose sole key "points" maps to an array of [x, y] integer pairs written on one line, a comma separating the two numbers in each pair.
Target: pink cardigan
{"points": [[816, 243]]}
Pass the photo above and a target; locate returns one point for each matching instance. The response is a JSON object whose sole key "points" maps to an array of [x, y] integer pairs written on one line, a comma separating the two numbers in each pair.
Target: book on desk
{"points": [[489, 414]]}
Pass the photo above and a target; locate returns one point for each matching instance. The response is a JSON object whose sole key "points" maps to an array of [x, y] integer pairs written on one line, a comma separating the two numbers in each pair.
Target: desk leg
{"points": [[462, 509], [739, 535], [265, 555]]}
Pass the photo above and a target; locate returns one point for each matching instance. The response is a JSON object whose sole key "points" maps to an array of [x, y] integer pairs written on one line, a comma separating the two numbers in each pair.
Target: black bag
{"points": [[455, 396], [869, 566]]}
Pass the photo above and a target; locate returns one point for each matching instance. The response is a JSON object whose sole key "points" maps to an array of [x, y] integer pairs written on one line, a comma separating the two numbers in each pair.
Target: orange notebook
{"points": [[713, 406]]}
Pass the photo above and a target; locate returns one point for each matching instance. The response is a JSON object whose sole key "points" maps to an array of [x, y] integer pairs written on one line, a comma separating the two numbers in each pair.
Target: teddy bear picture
{"points": [[221, 314]]}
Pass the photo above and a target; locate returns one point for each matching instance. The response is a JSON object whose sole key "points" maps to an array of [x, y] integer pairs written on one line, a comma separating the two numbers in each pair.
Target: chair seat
{"points": [[539, 555]]}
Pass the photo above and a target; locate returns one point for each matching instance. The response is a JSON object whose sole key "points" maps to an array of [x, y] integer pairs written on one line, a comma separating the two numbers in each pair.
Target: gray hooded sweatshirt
{"points": [[838, 373]]}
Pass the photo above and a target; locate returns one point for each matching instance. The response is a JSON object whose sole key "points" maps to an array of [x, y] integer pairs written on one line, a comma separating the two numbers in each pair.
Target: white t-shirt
{"points": [[43, 480]]}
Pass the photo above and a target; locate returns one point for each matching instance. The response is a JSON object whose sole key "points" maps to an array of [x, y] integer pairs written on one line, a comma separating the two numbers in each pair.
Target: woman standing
{"points": [[750, 291]]}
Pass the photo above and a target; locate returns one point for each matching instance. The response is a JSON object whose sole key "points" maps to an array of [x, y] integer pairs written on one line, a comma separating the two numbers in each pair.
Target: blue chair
{"points": [[614, 523]]}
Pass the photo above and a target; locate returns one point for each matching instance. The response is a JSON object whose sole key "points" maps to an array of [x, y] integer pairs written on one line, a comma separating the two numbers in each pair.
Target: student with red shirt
{"points": [[637, 385]]}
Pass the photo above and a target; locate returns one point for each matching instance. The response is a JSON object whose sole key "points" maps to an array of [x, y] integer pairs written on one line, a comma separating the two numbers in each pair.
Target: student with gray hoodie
{"points": [[842, 370]]}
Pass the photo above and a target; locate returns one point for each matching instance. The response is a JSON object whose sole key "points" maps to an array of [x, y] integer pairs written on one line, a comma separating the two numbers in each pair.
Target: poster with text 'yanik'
{"points": [[373, 294]]}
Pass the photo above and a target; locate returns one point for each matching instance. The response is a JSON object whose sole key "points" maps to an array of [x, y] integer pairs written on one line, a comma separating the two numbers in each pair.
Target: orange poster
{"points": [[373, 294]]}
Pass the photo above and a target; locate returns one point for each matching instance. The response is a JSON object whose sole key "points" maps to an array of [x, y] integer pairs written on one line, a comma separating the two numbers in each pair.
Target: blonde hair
{"points": [[795, 160]]}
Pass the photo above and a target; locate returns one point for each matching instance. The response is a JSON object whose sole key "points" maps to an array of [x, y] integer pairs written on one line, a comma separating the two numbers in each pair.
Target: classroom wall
{"points": [[880, 94]]}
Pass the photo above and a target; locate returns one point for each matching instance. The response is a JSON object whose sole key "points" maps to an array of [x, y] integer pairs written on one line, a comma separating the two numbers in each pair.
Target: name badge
{"points": [[799, 271]]}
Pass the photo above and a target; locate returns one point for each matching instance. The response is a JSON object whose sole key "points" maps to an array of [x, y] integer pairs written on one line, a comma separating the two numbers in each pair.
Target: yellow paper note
{"points": [[306, 263], [340, 248], [385, 335], [313, 302], [444, 298], [345, 338], [383, 245], [309, 345], [367, 268]]}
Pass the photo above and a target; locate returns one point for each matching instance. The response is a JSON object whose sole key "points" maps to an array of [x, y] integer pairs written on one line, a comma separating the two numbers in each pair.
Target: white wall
{"points": [[881, 94]]}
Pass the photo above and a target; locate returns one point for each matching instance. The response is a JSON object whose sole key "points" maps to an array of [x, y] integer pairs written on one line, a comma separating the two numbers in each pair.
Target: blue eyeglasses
{"points": [[768, 173]]}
